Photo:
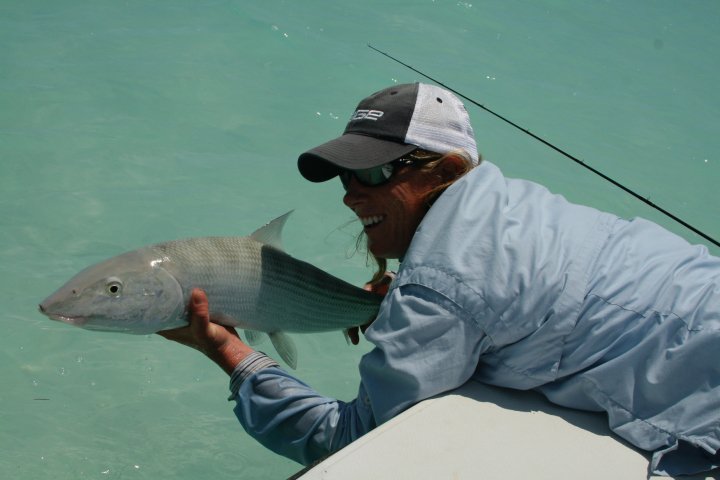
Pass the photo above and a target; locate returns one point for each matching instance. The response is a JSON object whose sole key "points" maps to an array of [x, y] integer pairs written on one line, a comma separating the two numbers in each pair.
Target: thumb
{"points": [[199, 308]]}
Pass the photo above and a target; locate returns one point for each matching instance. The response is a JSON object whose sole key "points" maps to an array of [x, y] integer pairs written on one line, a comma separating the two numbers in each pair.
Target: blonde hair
{"points": [[428, 163]]}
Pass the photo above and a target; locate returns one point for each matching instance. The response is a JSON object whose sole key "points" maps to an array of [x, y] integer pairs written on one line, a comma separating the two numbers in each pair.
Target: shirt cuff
{"points": [[254, 362]]}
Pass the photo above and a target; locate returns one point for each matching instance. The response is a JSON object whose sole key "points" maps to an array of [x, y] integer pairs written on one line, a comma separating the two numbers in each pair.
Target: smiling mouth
{"points": [[372, 221]]}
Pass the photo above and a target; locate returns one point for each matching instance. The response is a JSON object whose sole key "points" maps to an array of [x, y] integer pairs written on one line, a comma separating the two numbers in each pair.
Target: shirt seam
{"points": [[467, 315], [647, 312]]}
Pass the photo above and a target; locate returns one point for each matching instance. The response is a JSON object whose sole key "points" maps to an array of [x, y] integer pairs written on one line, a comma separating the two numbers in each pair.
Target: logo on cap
{"points": [[373, 115]]}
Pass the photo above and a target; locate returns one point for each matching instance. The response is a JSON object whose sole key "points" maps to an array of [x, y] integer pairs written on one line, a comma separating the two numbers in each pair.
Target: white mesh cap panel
{"points": [[440, 123]]}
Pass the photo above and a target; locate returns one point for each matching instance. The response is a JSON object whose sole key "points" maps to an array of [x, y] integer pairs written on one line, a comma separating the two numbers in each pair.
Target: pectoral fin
{"points": [[285, 347], [253, 337]]}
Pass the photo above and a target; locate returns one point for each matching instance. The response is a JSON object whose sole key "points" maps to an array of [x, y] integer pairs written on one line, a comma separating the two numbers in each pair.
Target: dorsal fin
{"points": [[271, 233]]}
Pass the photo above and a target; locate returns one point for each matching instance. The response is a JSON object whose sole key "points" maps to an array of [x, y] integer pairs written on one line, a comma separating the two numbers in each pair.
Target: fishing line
{"points": [[557, 149]]}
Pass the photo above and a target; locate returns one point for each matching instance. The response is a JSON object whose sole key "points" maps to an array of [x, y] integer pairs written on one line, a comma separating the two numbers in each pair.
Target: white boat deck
{"points": [[483, 432]]}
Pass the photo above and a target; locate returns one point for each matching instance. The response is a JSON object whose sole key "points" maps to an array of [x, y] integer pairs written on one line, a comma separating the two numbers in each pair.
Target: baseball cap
{"points": [[388, 125]]}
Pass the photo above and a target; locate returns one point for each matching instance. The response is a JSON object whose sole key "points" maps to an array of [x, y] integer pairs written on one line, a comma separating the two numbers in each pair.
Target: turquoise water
{"points": [[126, 123]]}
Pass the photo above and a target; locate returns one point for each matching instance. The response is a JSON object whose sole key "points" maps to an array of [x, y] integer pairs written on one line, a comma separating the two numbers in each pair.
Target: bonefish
{"points": [[251, 283]]}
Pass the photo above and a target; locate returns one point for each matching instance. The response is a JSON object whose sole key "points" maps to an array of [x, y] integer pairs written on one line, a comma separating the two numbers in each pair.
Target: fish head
{"points": [[129, 293]]}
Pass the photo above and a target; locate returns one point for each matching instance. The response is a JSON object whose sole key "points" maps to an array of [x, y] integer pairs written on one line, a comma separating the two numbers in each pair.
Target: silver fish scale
{"points": [[262, 288], [311, 300]]}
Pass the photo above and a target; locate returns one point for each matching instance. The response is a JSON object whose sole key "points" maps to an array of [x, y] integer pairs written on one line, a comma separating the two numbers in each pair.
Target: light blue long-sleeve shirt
{"points": [[509, 284]]}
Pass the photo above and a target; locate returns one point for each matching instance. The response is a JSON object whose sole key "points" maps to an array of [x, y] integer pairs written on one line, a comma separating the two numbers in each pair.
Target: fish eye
{"points": [[114, 287]]}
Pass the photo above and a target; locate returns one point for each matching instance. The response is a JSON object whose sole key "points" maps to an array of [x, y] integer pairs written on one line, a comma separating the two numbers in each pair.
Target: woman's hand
{"points": [[381, 288], [220, 344]]}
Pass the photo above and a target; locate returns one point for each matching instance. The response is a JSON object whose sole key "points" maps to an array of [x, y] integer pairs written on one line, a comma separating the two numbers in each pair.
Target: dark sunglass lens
{"points": [[370, 177], [375, 176], [345, 177]]}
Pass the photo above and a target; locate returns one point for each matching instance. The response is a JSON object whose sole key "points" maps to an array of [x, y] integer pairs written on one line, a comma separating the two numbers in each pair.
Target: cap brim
{"points": [[349, 152]]}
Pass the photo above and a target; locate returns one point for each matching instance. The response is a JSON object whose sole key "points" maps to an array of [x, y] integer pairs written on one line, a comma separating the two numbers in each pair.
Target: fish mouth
{"points": [[59, 317]]}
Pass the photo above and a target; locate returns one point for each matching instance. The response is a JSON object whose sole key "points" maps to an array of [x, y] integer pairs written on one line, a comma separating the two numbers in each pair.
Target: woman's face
{"points": [[391, 212]]}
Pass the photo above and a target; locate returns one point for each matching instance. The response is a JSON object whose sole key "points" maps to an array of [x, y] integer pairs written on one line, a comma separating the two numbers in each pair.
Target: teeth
{"points": [[368, 221]]}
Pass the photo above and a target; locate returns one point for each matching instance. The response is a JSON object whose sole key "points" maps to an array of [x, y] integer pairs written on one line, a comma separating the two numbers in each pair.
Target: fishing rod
{"points": [[557, 149]]}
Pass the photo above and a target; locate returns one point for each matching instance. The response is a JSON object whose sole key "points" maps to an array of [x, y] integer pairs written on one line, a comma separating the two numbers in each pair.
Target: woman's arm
{"points": [[281, 412]]}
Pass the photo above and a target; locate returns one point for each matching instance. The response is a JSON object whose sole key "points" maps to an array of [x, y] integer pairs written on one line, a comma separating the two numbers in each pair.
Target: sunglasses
{"points": [[374, 176]]}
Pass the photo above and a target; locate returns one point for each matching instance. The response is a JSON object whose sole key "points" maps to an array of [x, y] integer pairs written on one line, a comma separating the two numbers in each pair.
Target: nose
{"points": [[41, 308], [354, 193]]}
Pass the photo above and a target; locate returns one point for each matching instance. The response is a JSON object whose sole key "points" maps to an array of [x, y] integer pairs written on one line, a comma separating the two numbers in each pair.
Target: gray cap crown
{"points": [[390, 124]]}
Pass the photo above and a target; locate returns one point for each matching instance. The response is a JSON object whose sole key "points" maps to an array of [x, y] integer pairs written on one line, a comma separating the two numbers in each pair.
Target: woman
{"points": [[500, 281]]}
